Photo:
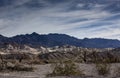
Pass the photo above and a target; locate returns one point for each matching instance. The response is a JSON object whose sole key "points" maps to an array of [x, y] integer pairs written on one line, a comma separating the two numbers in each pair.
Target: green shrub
{"points": [[103, 68], [67, 68]]}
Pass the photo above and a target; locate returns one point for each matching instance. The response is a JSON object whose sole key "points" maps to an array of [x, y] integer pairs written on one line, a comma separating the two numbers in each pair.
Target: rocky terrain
{"points": [[60, 52], [44, 57], [90, 50], [42, 70]]}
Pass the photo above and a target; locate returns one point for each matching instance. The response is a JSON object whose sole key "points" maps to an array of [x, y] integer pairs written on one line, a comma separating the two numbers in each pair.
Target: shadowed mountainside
{"points": [[50, 40]]}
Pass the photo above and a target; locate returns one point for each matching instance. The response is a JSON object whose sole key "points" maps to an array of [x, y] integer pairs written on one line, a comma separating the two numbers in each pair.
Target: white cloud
{"points": [[80, 5], [56, 19]]}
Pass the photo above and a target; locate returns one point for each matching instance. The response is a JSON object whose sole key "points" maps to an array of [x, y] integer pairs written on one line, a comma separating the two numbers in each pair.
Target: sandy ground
{"points": [[42, 70]]}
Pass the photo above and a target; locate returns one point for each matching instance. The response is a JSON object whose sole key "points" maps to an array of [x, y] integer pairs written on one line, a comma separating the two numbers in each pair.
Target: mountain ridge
{"points": [[55, 39]]}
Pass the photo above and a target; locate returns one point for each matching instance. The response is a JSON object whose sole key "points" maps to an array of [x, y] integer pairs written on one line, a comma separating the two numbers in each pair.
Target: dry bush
{"points": [[103, 68], [117, 72], [9, 66], [67, 68], [108, 57], [36, 61], [20, 67], [3, 65], [15, 64]]}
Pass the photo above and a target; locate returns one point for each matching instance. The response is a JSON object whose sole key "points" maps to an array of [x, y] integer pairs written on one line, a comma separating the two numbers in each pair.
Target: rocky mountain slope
{"points": [[57, 53], [51, 40]]}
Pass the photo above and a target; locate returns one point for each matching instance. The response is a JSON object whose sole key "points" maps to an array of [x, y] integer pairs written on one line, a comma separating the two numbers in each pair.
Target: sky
{"points": [[78, 18]]}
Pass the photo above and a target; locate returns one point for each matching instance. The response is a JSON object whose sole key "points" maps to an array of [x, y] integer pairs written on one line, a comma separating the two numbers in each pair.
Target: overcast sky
{"points": [[79, 18]]}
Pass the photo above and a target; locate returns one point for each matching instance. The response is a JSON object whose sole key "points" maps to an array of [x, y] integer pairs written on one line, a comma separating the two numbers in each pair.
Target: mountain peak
{"points": [[34, 33], [1, 35], [55, 39]]}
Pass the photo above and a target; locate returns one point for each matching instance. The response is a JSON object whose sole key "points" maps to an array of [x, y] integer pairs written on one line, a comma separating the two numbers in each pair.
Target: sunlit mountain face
{"points": [[79, 18]]}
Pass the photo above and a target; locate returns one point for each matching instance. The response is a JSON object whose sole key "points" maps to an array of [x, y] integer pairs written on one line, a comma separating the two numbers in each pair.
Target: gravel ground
{"points": [[42, 70]]}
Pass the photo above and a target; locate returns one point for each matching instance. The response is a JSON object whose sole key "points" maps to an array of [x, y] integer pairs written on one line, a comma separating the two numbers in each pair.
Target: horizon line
{"points": [[58, 33]]}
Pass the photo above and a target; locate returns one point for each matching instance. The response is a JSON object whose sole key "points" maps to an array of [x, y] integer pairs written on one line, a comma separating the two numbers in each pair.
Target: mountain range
{"points": [[51, 40]]}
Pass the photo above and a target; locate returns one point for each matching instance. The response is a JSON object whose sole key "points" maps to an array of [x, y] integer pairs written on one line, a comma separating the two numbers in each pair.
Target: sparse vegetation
{"points": [[117, 72], [18, 67], [15, 67], [67, 68], [6, 65], [36, 62], [103, 68], [85, 57]]}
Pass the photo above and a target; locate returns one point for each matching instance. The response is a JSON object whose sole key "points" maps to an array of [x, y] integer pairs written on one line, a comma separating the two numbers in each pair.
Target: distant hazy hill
{"points": [[51, 40]]}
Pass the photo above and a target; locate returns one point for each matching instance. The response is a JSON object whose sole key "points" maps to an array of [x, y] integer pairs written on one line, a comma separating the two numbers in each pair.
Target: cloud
{"points": [[69, 17]]}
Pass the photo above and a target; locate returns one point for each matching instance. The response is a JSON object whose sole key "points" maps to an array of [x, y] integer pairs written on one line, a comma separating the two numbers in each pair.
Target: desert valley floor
{"points": [[42, 70]]}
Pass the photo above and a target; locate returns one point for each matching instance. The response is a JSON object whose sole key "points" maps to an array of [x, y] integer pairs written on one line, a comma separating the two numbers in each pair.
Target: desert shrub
{"points": [[108, 57], [3, 65], [20, 68], [67, 68], [9, 66], [13, 65], [117, 72], [36, 61], [113, 58], [103, 68]]}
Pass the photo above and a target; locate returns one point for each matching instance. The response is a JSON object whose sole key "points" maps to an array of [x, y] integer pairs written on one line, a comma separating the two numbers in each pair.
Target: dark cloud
{"points": [[74, 17], [6, 2]]}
